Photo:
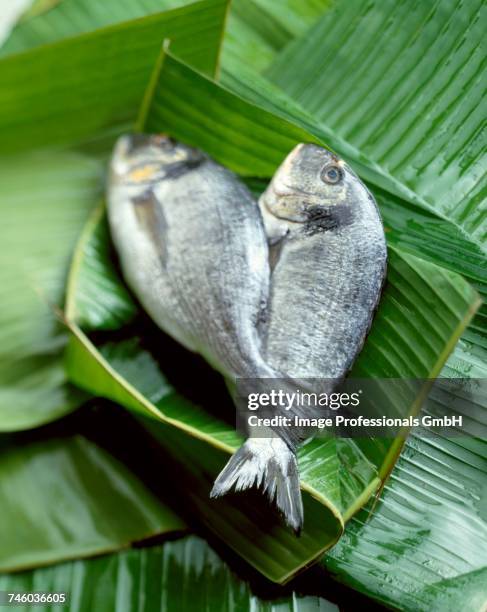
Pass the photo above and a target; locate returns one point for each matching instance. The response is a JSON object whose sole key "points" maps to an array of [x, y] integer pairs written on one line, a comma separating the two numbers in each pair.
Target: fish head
{"points": [[145, 159], [313, 186]]}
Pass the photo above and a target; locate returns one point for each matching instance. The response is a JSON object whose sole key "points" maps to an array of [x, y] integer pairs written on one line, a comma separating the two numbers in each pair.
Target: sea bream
{"points": [[328, 264], [285, 291], [192, 248], [329, 258]]}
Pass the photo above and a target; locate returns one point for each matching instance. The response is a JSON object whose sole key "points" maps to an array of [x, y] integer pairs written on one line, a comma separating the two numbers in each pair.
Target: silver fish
{"points": [[192, 248], [328, 257], [329, 250]]}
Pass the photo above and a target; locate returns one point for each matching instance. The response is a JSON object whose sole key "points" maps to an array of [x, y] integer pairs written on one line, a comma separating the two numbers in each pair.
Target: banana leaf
{"points": [[468, 357], [129, 375], [425, 546], [199, 444], [256, 31], [397, 88], [38, 7], [89, 85], [303, 88], [338, 477], [72, 17], [46, 200], [402, 85], [55, 191], [65, 497], [409, 225], [182, 575]]}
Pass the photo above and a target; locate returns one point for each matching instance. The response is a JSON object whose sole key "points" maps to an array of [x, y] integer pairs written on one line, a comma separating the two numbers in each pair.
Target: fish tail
{"points": [[270, 465]]}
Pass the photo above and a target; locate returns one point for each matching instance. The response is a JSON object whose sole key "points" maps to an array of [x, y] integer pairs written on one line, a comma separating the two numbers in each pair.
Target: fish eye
{"points": [[331, 174]]}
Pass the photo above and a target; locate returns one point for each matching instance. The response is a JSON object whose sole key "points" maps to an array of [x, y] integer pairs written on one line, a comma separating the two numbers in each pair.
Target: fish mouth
{"points": [[292, 191], [305, 201]]}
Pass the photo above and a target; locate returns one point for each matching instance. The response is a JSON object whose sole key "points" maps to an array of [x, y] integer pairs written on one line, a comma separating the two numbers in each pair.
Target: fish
{"points": [[282, 288], [329, 264], [192, 248], [328, 261]]}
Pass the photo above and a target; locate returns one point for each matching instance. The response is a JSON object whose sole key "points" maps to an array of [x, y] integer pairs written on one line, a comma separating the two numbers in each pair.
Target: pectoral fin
{"points": [[151, 220]]}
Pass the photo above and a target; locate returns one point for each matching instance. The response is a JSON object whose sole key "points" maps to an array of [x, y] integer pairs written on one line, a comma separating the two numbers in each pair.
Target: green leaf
{"points": [[425, 547], [39, 7], [67, 498], [182, 575], [200, 444], [466, 591], [245, 138], [408, 225], [46, 200], [402, 86], [429, 234], [92, 270], [407, 109], [421, 301], [425, 233], [72, 17], [55, 191], [438, 240], [79, 88], [259, 29], [34, 391]]}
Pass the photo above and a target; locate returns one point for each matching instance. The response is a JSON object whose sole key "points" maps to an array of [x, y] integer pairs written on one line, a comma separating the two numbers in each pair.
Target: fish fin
{"points": [[270, 465], [151, 220]]}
